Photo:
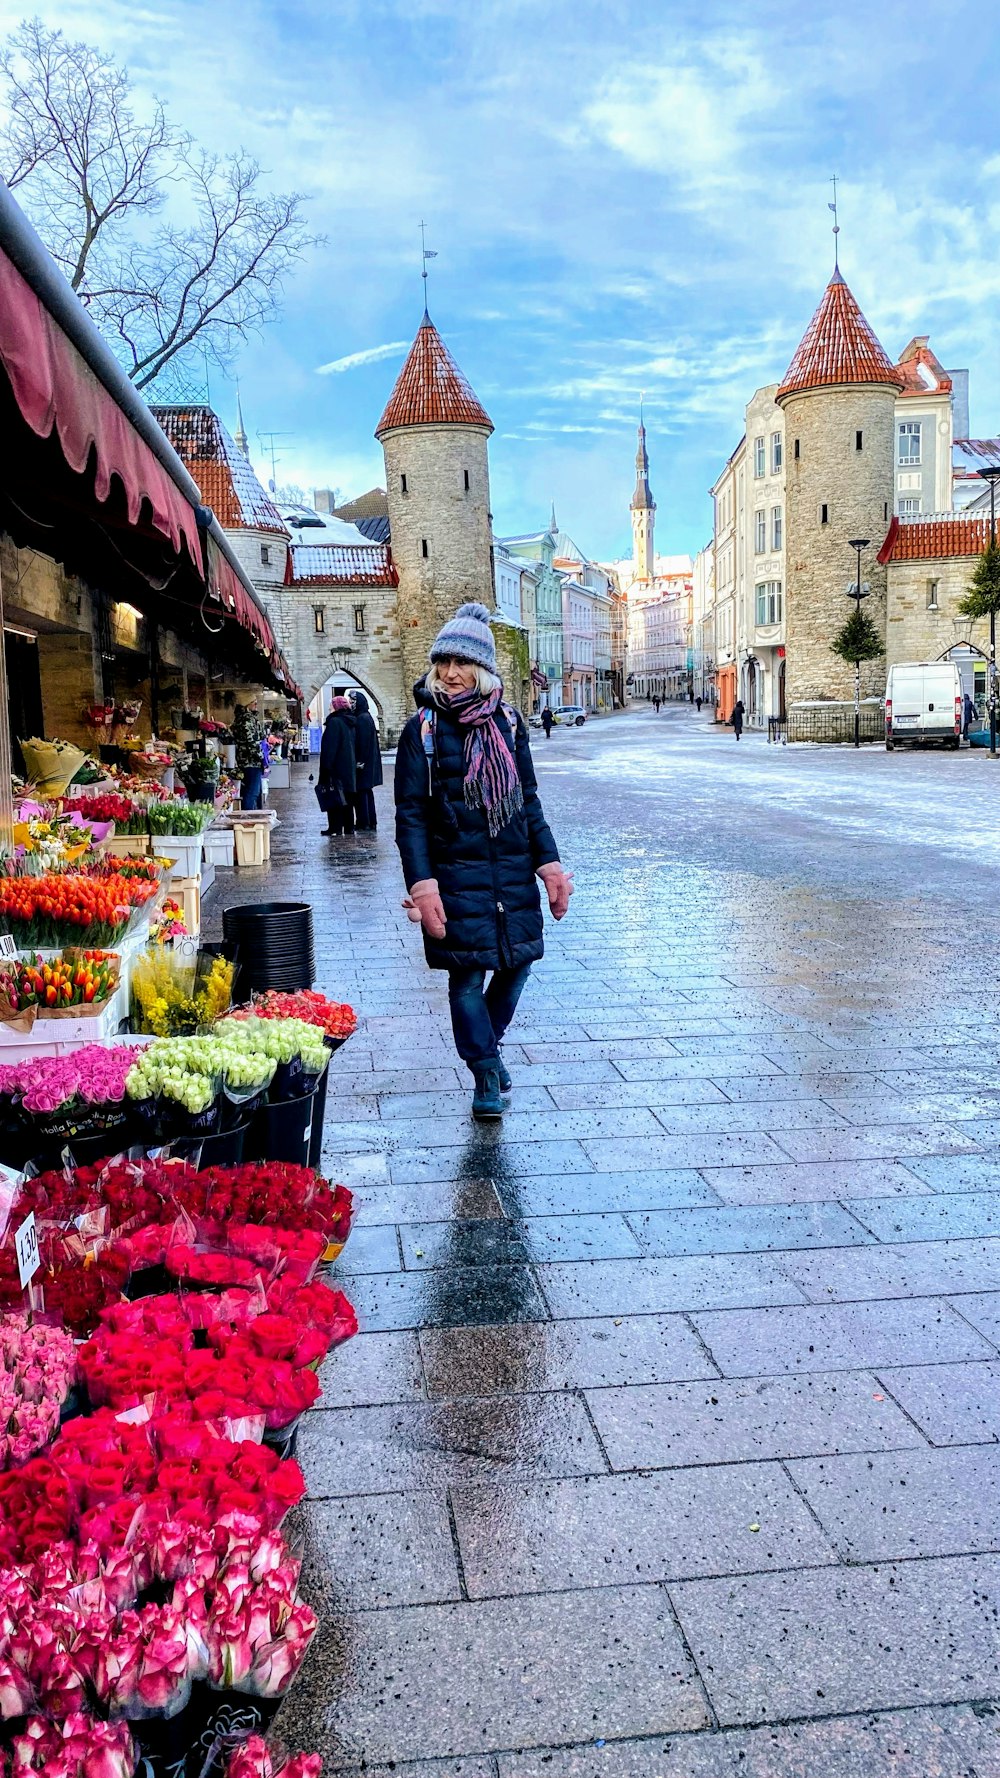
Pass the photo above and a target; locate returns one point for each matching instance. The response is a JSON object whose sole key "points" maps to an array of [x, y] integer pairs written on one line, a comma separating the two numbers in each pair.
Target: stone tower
{"points": [[838, 395], [434, 434], [643, 513]]}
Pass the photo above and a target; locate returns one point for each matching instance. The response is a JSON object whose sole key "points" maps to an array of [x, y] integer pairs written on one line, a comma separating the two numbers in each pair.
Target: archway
{"points": [[340, 683]]}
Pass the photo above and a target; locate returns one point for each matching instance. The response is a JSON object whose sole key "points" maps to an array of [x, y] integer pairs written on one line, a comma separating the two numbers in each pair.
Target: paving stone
{"points": [[933, 1107], [375, 1450], [945, 1216], [888, 1141], [632, 1155], [756, 1229], [789, 1183], [619, 1530], [774, 1646], [915, 1268], [638, 1092], [373, 1367], [369, 1249], [534, 1195], [729, 1421], [490, 1156], [797, 1086], [983, 1311], [888, 1505], [889, 1744], [837, 1336], [382, 1549], [507, 1674], [435, 1200], [954, 1404], [544, 1355], [450, 1296], [408, 1106], [771, 1116], [695, 1067], [662, 1285], [957, 1173], [539, 1238]]}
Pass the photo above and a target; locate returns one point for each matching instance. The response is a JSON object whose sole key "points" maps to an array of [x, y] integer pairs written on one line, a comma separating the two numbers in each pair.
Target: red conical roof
{"points": [[838, 347], [431, 390]]}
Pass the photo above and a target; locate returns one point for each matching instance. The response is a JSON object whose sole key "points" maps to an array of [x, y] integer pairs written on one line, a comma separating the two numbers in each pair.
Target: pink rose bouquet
{"points": [[256, 1760]]}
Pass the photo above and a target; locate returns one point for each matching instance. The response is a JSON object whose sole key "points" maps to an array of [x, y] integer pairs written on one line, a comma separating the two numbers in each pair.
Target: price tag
{"points": [[26, 1243], [8, 949]]}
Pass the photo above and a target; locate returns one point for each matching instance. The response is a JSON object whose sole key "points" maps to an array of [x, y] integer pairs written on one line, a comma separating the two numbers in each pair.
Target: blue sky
{"points": [[622, 196]]}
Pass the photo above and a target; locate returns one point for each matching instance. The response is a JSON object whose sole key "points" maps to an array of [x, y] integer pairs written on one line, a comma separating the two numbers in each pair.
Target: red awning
{"points": [[56, 390]]}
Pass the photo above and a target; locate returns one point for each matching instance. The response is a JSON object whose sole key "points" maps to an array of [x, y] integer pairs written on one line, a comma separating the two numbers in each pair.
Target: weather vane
{"points": [[426, 253], [836, 224]]}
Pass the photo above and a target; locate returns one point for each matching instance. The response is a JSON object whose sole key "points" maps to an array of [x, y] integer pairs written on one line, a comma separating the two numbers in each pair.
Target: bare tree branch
{"points": [[92, 175]]}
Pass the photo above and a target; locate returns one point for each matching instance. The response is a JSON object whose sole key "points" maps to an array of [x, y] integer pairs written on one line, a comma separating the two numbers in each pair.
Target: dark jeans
{"points": [[480, 1019], [252, 788], [364, 809]]}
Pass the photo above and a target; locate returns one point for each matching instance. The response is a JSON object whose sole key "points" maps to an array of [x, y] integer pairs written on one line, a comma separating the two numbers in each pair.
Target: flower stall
{"points": [[152, 1613]]}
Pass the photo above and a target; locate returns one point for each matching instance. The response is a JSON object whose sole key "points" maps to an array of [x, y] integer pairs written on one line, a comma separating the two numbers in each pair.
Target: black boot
{"points": [[505, 1081], [486, 1101]]}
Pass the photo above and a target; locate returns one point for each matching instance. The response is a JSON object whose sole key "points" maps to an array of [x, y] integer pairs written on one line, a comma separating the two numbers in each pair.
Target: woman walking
{"points": [[369, 764], [472, 837], [737, 718], [337, 769]]}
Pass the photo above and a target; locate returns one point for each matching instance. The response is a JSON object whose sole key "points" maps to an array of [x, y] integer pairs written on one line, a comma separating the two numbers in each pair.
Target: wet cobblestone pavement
{"points": [[670, 1445]]}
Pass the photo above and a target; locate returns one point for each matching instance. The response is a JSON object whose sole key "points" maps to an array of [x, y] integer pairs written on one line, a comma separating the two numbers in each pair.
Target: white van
{"points": [[923, 702]]}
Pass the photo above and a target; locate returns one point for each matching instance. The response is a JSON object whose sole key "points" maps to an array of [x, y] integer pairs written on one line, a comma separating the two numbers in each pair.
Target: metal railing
{"points": [[835, 723]]}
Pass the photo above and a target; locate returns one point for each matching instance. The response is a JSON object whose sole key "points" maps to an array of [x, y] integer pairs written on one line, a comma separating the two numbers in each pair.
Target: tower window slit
{"points": [[466, 475], [424, 551], [402, 484]]}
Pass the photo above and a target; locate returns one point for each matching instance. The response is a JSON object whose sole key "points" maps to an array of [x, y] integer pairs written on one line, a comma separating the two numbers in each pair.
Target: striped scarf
{"points": [[492, 781]]}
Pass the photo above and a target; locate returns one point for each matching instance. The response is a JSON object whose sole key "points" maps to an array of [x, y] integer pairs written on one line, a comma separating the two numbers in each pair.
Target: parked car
{"points": [[571, 715], [923, 702]]}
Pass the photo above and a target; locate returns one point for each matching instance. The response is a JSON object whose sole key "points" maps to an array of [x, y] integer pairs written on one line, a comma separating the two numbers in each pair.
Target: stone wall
{"points": [[453, 521], [856, 486], [372, 655], [917, 632]]}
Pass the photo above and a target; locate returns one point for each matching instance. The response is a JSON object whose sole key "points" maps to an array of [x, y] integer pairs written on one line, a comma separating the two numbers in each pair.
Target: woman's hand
{"points": [[558, 888], [424, 904]]}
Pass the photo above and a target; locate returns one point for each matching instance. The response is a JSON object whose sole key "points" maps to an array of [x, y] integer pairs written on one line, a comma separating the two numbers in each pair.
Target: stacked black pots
{"points": [[273, 946]]}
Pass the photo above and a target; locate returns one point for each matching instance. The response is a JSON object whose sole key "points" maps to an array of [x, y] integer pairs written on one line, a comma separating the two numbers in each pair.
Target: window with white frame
{"points": [[909, 506], [769, 602], [758, 456], [909, 432], [760, 532], [775, 452], [776, 527]]}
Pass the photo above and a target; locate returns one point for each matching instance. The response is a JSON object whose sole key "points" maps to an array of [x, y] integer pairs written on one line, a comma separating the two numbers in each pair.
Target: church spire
{"points": [[240, 435], [643, 512]]}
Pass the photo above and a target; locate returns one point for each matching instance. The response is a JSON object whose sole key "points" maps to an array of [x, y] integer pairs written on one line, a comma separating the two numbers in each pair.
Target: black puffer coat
{"points": [[366, 744], [488, 886]]}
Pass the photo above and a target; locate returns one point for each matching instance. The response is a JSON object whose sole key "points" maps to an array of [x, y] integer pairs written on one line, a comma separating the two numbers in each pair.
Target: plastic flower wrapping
{"points": [[213, 1080], [177, 992], [92, 1077], [143, 1563], [57, 908], [333, 1018]]}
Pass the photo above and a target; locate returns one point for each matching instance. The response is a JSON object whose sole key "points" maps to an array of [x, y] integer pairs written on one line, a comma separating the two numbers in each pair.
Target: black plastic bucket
{"points": [[273, 941], [284, 1132]]}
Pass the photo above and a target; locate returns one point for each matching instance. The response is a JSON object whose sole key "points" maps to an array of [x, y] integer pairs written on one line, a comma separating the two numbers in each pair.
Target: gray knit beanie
{"points": [[468, 637]]}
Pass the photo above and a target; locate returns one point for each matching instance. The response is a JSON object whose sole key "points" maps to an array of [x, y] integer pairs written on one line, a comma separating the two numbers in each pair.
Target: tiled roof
{"points": [[335, 564], [227, 482], [934, 537], [373, 505], [431, 390], [970, 453], [838, 347], [920, 371]]}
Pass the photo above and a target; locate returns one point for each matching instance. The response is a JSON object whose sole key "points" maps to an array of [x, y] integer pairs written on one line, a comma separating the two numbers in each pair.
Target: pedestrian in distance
{"points": [[737, 718], [337, 784], [547, 722], [656, 705], [968, 715], [698, 705], [368, 762], [248, 734], [472, 838]]}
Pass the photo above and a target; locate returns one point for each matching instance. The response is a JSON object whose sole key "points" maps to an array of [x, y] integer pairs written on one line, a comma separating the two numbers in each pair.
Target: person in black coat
{"points": [[369, 763], [472, 839], [337, 767], [737, 718]]}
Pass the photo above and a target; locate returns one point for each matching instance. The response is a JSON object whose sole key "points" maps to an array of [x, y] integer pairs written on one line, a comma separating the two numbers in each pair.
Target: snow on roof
{"points": [[337, 564], [226, 480]]}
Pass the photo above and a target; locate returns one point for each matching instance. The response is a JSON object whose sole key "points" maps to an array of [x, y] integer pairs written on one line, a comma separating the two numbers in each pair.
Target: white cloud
{"points": [[370, 356]]}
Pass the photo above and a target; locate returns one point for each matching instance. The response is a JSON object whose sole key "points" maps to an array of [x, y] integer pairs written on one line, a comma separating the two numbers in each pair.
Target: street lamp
{"points": [[990, 475], [858, 592]]}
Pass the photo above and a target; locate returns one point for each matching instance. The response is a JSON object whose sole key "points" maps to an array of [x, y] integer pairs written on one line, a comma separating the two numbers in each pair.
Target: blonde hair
{"points": [[485, 682]]}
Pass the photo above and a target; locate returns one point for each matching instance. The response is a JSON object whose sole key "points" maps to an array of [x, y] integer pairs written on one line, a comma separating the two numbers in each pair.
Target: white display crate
{"points": [[184, 849], [218, 847], [278, 774]]}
